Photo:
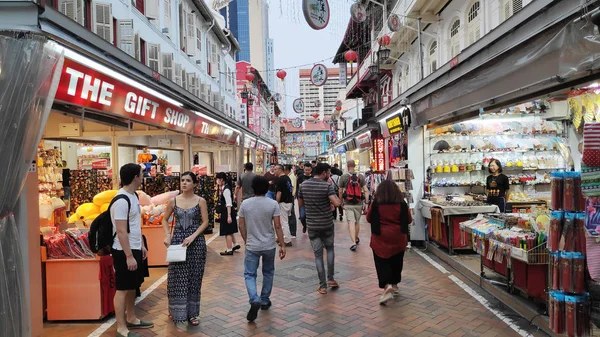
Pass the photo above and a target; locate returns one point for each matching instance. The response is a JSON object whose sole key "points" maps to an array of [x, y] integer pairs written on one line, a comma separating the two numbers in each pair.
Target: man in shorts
{"points": [[128, 251], [353, 206], [317, 196]]}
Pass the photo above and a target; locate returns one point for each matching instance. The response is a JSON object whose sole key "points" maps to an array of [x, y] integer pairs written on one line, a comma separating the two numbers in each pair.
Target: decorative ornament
{"points": [[298, 105], [394, 22], [338, 108], [297, 122], [281, 74], [318, 75], [384, 40], [250, 77], [350, 56], [358, 12], [273, 120], [284, 121], [316, 13], [315, 115], [276, 97]]}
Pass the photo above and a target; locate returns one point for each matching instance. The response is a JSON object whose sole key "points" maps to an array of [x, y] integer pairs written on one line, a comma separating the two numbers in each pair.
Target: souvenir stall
{"points": [[261, 157], [364, 145], [249, 149]]}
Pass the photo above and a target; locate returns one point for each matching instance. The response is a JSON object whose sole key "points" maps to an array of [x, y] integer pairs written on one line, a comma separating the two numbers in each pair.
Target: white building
{"points": [[320, 99]]}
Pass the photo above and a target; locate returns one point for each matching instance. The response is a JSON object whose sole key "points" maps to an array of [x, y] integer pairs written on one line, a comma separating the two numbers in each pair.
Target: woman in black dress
{"points": [[497, 186], [228, 216]]}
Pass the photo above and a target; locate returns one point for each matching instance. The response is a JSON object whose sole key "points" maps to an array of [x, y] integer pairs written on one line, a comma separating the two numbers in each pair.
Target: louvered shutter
{"points": [[182, 25], [153, 56], [125, 37], [191, 82], [151, 9], [167, 21], [190, 39], [103, 21], [215, 67], [177, 74], [184, 80], [167, 65], [198, 41], [138, 52], [71, 10]]}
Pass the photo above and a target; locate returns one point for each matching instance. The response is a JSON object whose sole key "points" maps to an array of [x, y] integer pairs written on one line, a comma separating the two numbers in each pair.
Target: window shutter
{"points": [[215, 67], [177, 74], [182, 26], [167, 22], [190, 39], [184, 80], [153, 59], [138, 52], [68, 8], [151, 9], [204, 92], [198, 41], [103, 21], [191, 82], [507, 10], [126, 37], [167, 65], [80, 10]]}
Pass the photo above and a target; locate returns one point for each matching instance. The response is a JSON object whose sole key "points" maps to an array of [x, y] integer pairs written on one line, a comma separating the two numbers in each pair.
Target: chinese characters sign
{"points": [[343, 73], [316, 13], [379, 154], [298, 105], [318, 75], [358, 12]]}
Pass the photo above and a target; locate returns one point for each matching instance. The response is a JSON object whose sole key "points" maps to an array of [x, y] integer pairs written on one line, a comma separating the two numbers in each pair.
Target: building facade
{"points": [[307, 141], [320, 99]]}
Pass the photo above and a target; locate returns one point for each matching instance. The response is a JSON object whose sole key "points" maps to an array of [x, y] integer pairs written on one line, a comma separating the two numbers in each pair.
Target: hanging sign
{"points": [[297, 123], [318, 75], [298, 105], [343, 73], [358, 12], [277, 97], [364, 141], [262, 147], [249, 143], [244, 114], [379, 154], [316, 13], [393, 124], [394, 22]]}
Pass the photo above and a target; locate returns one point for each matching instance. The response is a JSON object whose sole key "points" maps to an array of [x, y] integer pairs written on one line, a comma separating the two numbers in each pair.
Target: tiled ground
{"points": [[430, 304]]}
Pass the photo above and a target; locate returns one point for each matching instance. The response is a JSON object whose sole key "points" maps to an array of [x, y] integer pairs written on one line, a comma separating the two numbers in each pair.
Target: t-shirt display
{"points": [[284, 185], [258, 213]]}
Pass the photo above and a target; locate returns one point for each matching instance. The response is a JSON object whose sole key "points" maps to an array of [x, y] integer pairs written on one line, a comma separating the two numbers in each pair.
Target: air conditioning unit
{"points": [[558, 110], [69, 130]]}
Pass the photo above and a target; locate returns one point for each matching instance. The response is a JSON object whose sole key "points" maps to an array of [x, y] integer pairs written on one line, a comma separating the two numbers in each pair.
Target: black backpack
{"points": [[101, 235]]}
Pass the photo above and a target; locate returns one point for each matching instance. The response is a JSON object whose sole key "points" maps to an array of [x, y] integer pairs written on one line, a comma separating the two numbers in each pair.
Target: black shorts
{"points": [[125, 279]]}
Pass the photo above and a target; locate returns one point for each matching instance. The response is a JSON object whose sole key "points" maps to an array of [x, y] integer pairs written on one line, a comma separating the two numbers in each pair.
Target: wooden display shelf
{"points": [[157, 252]]}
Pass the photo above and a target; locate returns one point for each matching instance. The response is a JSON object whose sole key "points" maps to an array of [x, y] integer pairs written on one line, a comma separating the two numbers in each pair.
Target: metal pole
{"points": [[419, 39]]}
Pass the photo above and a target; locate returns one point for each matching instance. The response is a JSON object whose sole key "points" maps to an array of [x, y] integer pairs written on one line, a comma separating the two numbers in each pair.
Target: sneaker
{"points": [[408, 245], [236, 248], [387, 295], [353, 248], [293, 236], [227, 252], [266, 306], [288, 244], [140, 325], [253, 312]]}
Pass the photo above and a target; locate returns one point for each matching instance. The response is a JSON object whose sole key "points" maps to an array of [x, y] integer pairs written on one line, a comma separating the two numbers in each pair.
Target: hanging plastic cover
{"points": [[562, 53], [30, 68]]}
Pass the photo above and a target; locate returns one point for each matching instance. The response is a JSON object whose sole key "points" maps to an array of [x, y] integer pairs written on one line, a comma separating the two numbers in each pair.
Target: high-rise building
{"points": [[321, 99]]}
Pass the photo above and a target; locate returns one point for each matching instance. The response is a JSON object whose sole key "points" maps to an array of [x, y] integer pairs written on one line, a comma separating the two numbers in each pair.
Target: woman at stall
{"points": [[389, 217], [185, 278], [497, 186], [228, 220]]}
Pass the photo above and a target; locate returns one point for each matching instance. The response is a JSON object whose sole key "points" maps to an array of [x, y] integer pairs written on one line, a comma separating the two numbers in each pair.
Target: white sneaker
{"points": [[388, 295], [408, 245], [293, 236]]}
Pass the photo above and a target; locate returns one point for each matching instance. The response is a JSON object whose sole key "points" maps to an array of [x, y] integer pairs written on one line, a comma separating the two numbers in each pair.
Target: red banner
{"points": [[364, 141], [379, 154], [83, 86]]}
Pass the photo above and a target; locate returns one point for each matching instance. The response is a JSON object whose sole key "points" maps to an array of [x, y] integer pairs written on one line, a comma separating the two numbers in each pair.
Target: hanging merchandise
{"points": [[316, 13], [298, 105], [85, 184], [358, 11], [318, 75]]}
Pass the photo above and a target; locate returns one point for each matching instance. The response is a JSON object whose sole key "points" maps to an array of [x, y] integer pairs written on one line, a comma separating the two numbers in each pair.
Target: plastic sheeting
{"points": [[560, 54], [29, 71]]}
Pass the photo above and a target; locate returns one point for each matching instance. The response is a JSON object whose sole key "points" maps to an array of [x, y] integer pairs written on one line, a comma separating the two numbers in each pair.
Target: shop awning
{"points": [[354, 134]]}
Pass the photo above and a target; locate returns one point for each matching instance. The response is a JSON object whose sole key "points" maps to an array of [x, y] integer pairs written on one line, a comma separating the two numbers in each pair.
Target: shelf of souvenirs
{"points": [[509, 133], [482, 184], [510, 168], [494, 151]]}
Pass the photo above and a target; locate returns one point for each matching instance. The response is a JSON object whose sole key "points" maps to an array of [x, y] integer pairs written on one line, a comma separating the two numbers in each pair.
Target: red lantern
{"points": [[273, 120], [250, 77], [315, 115], [284, 120], [350, 56], [338, 108], [281, 74], [384, 40]]}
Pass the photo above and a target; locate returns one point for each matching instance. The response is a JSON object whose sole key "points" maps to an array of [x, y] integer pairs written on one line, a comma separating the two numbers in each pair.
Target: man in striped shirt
{"points": [[318, 197]]}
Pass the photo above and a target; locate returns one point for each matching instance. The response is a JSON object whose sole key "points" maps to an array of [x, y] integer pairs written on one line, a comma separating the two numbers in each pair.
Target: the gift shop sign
{"points": [[364, 141], [379, 154]]}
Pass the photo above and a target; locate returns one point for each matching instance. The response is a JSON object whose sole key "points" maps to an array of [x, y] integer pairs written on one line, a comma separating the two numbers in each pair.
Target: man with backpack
{"points": [[353, 191], [128, 250]]}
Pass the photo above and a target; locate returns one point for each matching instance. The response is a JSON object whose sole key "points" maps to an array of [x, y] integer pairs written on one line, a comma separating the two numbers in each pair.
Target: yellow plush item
{"points": [[446, 168], [74, 218], [454, 168], [91, 217], [87, 209], [104, 207], [104, 197]]}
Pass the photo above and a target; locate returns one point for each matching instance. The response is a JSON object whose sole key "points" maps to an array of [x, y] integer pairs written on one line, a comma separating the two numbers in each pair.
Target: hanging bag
{"points": [[176, 253], [591, 144]]}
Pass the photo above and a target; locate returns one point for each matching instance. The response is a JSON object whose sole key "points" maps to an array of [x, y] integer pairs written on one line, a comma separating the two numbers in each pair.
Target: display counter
{"points": [[157, 252]]}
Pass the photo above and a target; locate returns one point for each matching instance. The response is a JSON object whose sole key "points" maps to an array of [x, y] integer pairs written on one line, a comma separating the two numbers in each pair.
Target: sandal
{"points": [[322, 291], [195, 321]]}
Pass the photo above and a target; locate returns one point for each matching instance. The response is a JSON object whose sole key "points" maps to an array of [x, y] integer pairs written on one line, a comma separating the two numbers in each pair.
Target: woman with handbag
{"points": [[389, 217], [228, 216], [186, 248]]}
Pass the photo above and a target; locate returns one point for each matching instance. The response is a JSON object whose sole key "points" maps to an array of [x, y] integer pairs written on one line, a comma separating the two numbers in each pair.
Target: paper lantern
{"points": [[350, 56], [250, 77], [338, 108], [281, 74], [273, 120], [384, 41], [315, 115], [284, 121]]}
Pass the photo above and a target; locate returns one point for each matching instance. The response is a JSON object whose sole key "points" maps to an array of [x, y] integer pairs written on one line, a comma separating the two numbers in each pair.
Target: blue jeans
{"points": [[302, 213], [268, 270], [271, 195]]}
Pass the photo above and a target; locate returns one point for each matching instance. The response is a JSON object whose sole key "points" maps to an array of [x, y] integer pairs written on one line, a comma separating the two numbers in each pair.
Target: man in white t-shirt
{"points": [[128, 251]]}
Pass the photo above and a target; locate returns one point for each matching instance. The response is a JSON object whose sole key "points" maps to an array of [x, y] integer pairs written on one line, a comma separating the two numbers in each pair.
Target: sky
{"points": [[296, 43]]}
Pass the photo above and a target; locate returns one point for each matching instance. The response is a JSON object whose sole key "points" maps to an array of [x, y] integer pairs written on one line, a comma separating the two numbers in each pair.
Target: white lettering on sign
{"points": [[205, 128], [92, 89], [139, 105], [176, 118]]}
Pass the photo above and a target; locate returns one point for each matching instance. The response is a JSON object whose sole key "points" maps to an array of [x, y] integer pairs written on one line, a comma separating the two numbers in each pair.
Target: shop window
{"points": [[454, 38], [142, 51], [103, 23], [73, 9], [474, 23], [510, 7], [167, 22], [126, 37], [167, 65], [153, 57], [433, 56]]}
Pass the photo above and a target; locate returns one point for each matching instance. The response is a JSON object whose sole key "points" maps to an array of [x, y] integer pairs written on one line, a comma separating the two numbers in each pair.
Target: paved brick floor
{"points": [[430, 304]]}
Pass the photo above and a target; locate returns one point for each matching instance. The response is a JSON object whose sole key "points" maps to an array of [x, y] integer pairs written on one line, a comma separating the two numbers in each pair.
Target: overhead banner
{"points": [[343, 73], [82, 86]]}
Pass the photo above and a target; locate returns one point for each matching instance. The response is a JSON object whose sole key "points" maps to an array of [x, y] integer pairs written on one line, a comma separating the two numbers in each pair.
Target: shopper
{"points": [[244, 190], [335, 180], [317, 195], [259, 222], [353, 191], [497, 186], [313, 163], [389, 217], [306, 175], [128, 251], [336, 170], [292, 218], [228, 218], [185, 278], [285, 199], [272, 177]]}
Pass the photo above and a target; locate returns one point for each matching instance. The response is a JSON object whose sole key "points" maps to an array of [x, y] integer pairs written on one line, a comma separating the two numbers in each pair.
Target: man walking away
{"points": [[285, 199], [335, 170], [243, 189], [292, 218], [128, 251], [335, 180], [317, 195], [257, 216], [302, 178], [353, 191], [272, 177]]}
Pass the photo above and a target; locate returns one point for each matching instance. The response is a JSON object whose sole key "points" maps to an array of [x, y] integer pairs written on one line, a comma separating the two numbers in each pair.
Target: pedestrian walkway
{"points": [[432, 302]]}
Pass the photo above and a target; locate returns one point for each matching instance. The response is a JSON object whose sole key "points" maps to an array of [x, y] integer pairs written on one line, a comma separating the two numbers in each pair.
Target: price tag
{"points": [[33, 167]]}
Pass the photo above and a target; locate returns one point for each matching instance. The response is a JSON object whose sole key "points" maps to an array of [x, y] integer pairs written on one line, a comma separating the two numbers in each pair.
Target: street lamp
{"points": [[383, 54]]}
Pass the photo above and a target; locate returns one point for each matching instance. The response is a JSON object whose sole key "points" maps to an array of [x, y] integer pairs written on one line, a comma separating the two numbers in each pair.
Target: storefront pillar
{"points": [[114, 154], [187, 153], [241, 154]]}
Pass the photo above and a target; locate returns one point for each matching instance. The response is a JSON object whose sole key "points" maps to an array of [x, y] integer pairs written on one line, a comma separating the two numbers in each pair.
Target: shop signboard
{"points": [[249, 143], [100, 164], [351, 145], [393, 124], [262, 147], [379, 154], [343, 73], [364, 141], [341, 149], [244, 114]]}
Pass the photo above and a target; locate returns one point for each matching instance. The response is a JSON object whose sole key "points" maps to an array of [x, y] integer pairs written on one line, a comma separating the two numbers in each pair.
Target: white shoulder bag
{"points": [[176, 253]]}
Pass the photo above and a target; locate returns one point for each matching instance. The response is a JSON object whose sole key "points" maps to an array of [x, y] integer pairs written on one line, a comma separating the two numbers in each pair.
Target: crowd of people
{"points": [[262, 210]]}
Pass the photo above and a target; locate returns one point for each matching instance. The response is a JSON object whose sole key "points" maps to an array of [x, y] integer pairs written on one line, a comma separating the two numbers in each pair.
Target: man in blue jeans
{"points": [[258, 223]]}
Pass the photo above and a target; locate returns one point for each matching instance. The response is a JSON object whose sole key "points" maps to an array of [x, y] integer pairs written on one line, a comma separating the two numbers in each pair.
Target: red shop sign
{"points": [[364, 141], [379, 154], [262, 147]]}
